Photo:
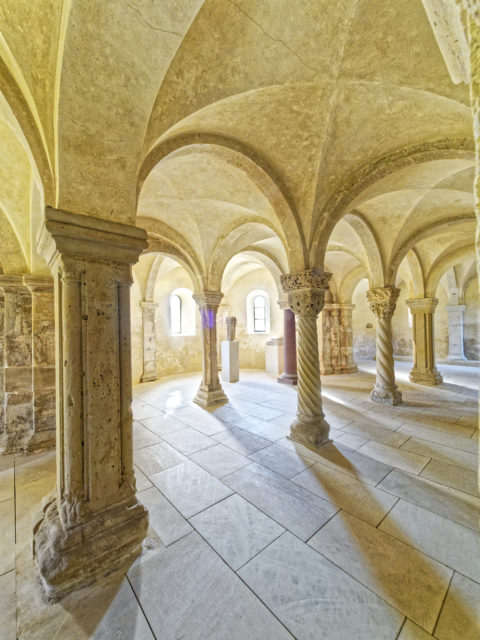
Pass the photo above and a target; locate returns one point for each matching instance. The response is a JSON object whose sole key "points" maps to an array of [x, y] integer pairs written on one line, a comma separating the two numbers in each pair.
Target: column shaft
{"points": [[210, 391], [325, 342], [455, 332], [306, 294], [94, 524], [382, 303], [289, 375], [149, 341], [424, 370]]}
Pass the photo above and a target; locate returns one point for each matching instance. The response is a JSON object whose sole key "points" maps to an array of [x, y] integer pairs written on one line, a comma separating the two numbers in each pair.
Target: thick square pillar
{"points": [[94, 524]]}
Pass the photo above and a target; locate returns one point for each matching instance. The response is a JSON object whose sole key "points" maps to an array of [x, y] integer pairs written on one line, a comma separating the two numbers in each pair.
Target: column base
{"points": [[392, 397], [149, 377], [350, 369], [454, 357], [288, 378], [427, 378], [68, 559], [209, 397], [312, 432], [328, 371]]}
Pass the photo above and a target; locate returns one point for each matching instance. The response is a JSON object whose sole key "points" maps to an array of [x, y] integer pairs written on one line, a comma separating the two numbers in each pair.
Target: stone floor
{"points": [[374, 537]]}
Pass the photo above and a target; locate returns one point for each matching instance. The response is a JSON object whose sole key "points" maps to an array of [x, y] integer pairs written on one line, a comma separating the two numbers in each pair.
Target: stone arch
{"points": [[443, 262], [227, 247], [350, 282], [258, 170], [371, 245], [434, 228], [346, 194], [164, 240]]}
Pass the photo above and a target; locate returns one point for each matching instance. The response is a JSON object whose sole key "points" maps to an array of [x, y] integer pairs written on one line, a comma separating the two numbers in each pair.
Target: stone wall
{"points": [[251, 345], [471, 321], [27, 363]]}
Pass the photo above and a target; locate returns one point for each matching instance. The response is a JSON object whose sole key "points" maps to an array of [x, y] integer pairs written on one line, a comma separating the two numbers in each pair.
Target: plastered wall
{"points": [[252, 346], [471, 321]]}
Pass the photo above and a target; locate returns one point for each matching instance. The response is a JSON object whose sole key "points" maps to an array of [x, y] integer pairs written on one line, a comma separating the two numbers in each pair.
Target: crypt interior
{"points": [[239, 319]]}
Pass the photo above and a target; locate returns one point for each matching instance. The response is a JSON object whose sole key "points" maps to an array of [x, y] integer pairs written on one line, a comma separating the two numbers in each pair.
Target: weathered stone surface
{"points": [[94, 523]]}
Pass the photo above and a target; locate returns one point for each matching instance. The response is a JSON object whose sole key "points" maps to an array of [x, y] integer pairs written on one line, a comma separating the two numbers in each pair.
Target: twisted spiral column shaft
{"points": [[384, 349], [309, 385]]}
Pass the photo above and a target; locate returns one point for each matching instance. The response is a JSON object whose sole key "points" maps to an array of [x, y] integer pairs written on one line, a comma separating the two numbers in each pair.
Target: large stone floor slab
{"points": [[453, 544], [236, 530], [314, 598], [296, 509], [409, 580], [186, 591], [190, 488]]}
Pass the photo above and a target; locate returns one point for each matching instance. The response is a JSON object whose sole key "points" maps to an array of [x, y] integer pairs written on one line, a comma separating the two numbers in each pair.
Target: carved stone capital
{"points": [[306, 291], [37, 283], [208, 299], [383, 301], [309, 279], [422, 305]]}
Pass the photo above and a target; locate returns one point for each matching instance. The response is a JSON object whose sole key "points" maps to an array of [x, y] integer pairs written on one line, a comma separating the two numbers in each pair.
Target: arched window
{"points": [[258, 312], [175, 314], [259, 315], [182, 312]]}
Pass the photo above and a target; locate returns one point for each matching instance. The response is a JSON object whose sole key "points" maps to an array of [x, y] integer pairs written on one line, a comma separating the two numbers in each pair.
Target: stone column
{"points": [[289, 375], [43, 361], [94, 524], [325, 341], [149, 341], [210, 391], [382, 303], [16, 350], [424, 370], [347, 364], [306, 291], [455, 332]]}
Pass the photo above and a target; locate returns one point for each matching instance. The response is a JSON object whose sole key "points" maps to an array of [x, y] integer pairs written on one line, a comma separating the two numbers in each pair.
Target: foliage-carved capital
{"points": [[383, 301]]}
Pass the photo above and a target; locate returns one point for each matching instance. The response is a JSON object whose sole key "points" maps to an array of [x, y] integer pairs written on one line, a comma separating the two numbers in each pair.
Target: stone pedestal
{"points": [[94, 524], [455, 332], [424, 370], [230, 361], [306, 294], [289, 375], [210, 391], [149, 341], [274, 356], [382, 303]]}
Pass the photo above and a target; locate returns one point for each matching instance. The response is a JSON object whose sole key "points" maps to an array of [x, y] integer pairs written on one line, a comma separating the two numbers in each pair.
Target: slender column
{"points": [[289, 375], [306, 292], [424, 370], [94, 524], [149, 341], [210, 391], [382, 303], [325, 342], [17, 370], [455, 332], [335, 338], [347, 364]]}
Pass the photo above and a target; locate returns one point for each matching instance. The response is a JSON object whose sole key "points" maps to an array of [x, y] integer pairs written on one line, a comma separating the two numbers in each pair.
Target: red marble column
{"points": [[289, 375]]}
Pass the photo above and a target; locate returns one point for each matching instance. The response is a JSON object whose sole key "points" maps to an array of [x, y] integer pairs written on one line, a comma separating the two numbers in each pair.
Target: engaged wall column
{"points": [[424, 370], [149, 341], [455, 332]]}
